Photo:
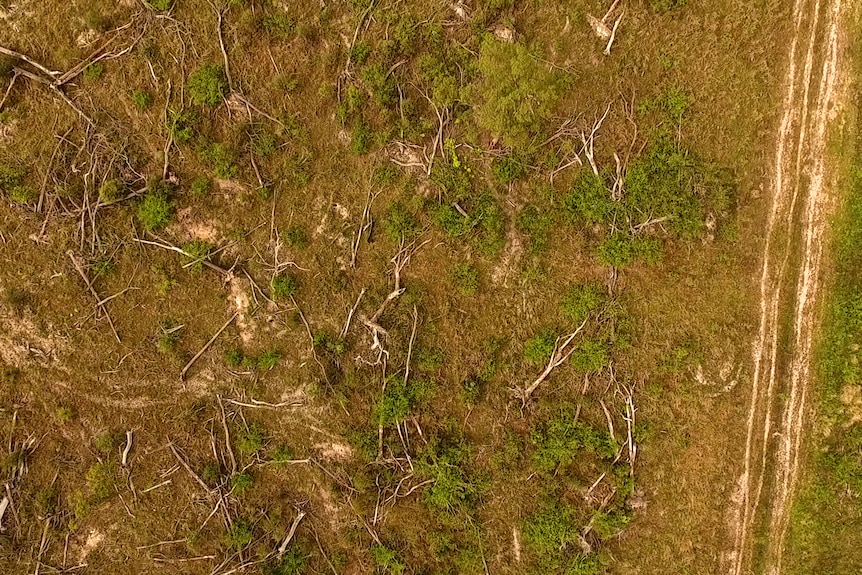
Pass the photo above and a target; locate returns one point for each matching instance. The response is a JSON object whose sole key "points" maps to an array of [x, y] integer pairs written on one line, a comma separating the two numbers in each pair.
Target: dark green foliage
{"points": [[208, 84], [538, 349], [381, 84], [450, 220], [360, 138], [428, 359], [551, 529], [278, 25], [239, 535], [399, 223], [323, 341], [444, 87], [489, 225], [112, 191], [250, 440], [509, 168], [465, 277], [181, 125], [590, 356], [453, 177], [241, 484], [557, 441], [221, 157], [471, 390], [160, 5], [268, 359], [197, 252], [201, 187], [12, 182], [110, 441], [94, 72], [516, 92], [452, 489], [102, 477], [536, 225], [155, 210], [284, 286], [399, 400], [581, 301], [264, 142], [282, 454], [359, 53], [142, 99], [293, 562], [606, 524], [296, 237], [169, 336], [211, 473], [103, 267], [590, 200], [620, 250], [387, 561]]}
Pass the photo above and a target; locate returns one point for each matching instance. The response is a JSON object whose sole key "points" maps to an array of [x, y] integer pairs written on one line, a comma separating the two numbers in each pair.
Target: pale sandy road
{"points": [[778, 392]]}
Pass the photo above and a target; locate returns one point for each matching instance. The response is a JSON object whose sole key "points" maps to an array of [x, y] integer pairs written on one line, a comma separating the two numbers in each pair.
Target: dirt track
{"points": [[789, 285]]}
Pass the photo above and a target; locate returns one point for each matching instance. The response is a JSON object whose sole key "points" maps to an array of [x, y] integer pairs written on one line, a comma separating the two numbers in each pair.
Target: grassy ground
{"points": [[825, 528], [414, 454]]}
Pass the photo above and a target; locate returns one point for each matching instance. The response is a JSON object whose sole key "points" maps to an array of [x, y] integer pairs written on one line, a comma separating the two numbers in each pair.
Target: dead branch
{"points": [[589, 141], [8, 90], [607, 50], [99, 303], [227, 436], [350, 314], [24, 58], [283, 547], [220, 14], [188, 468], [173, 248], [206, 346], [127, 448], [558, 357], [363, 226]]}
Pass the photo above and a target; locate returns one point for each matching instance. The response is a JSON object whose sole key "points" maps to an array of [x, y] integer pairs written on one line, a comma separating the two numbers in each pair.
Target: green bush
{"points": [[450, 220], [538, 349], [197, 253], [112, 191], [441, 79], [399, 223], [102, 479], [619, 250], [515, 93], [234, 357], [241, 484], [590, 356], [590, 200], [443, 462], [296, 237], [182, 125], [94, 71], [582, 300], [239, 535], [557, 441], [360, 138], [142, 99], [200, 187], [551, 529], [490, 226], [398, 399], [536, 225], [509, 168], [208, 84], [465, 277], [278, 25], [155, 210], [221, 157], [387, 561], [268, 359], [606, 524], [160, 5], [12, 182], [284, 286], [293, 562]]}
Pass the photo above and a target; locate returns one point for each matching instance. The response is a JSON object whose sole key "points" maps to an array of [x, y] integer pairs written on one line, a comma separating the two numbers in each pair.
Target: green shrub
{"points": [[197, 253], [264, 143], [296, 237], [443, 463], [399, 223], [450, 220], [381, 84], [268, 359], [551, 529], [582, 300], [293, 562], [278, 25], [221, 157], [360, 138], [620, 250], [606, 524], [284, 286], [471, 390], [386, 561], [590, 356], [211, 473], [282, 454], [94, 71], [538, 349], [155, 210], [208, 84], [160, 5], [250, 440], [102, 479], [465, 277], [442, 81], [112, 191], [590, 200], [169, 336], [201, 187], [234, 357], [536, 225], [516, 92], [398, 399], [585, 565], [142, 99], [181, 125], [239, 535], [241, 484], [557, 441], [428, 359], [509, 168], [490, 226], [12, 182]]}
